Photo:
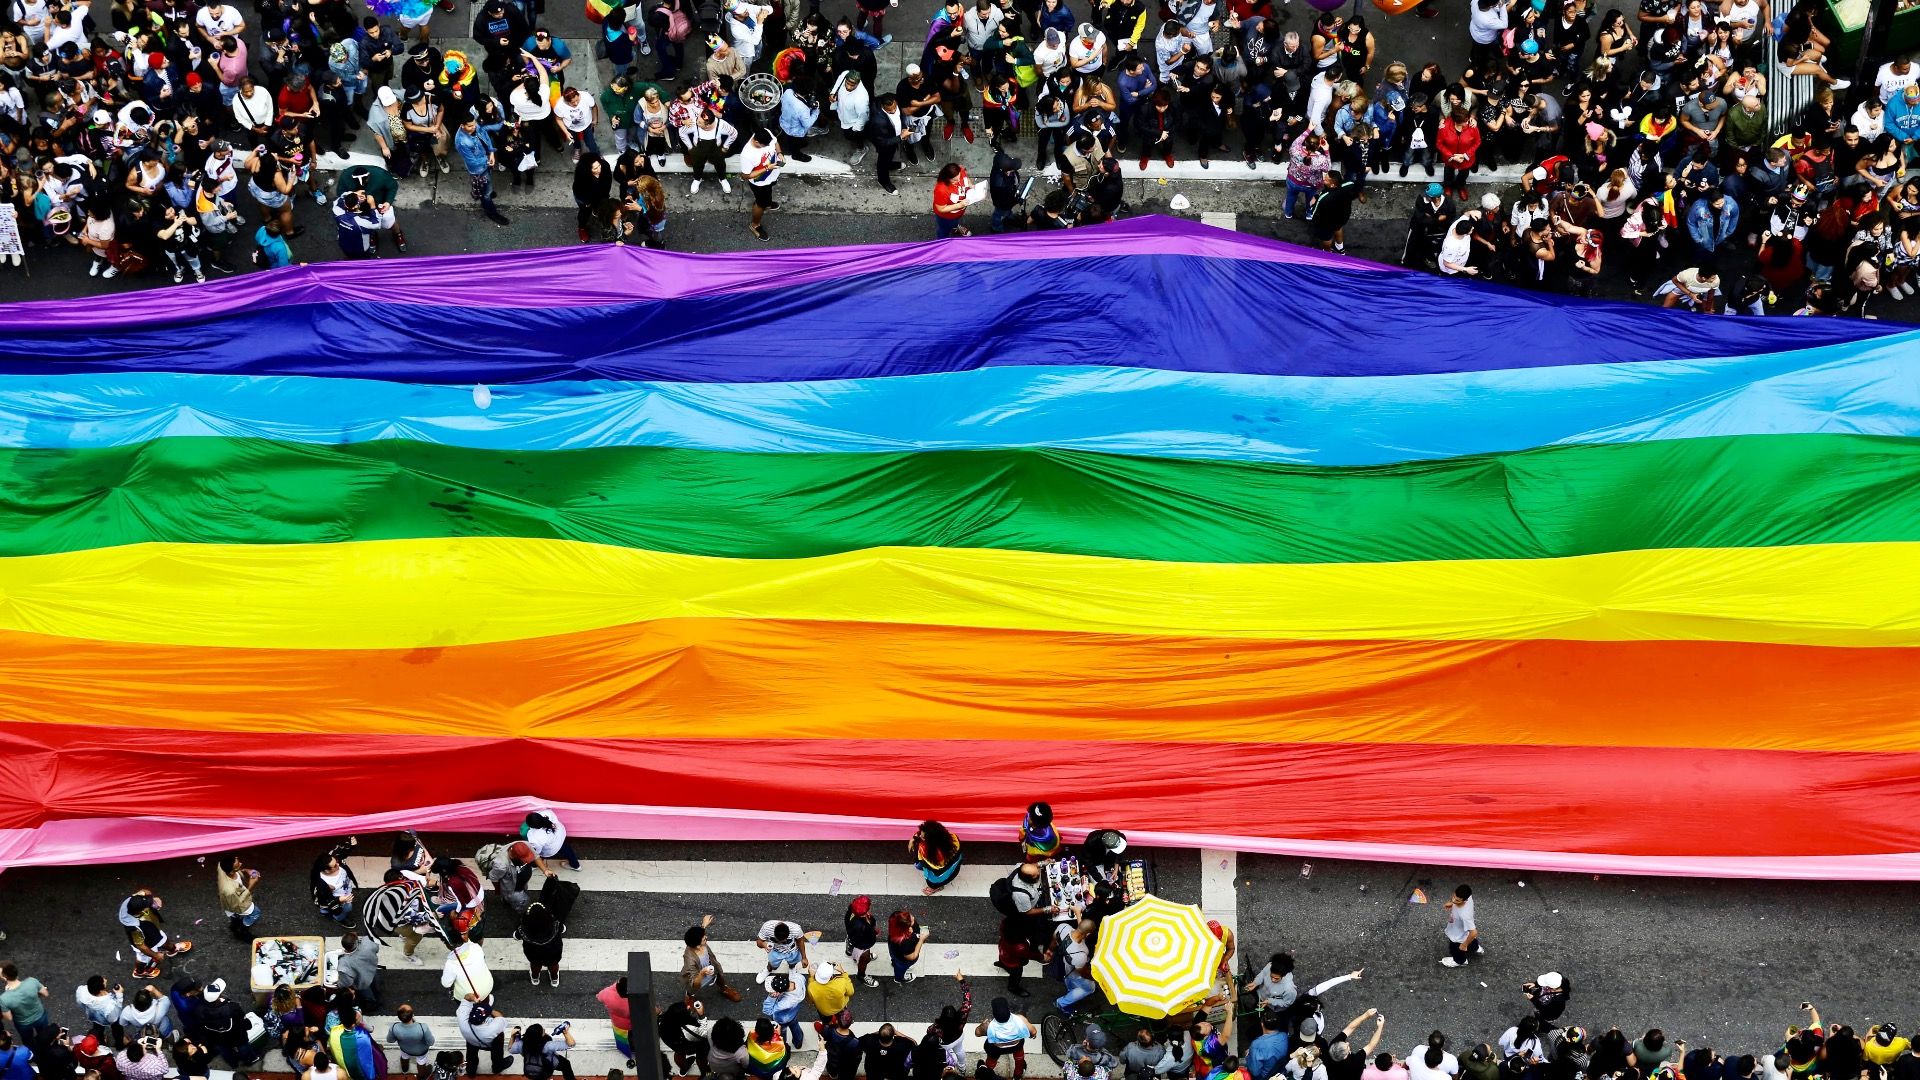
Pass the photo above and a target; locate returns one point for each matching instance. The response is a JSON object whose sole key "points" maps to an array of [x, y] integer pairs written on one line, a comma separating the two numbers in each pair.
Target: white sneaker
{"points": [[445, 166], [660, 161], [178, 276], [111, 271], [908, 977], [199, 276], [1450, 962], [859, 157], [726, 187], [410, 960], [533, 976], [1840, 84], [93, 268], [870, 980], [695, 189], [553, 979]]}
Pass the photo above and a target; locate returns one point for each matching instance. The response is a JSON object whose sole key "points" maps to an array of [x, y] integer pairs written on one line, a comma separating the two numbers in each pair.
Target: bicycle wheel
{"points": [[1057, 1036]]}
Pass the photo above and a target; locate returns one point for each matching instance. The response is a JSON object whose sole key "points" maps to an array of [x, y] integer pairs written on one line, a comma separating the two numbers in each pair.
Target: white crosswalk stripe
{"points": [[610, 955], [693, 879], [594, 1054]]}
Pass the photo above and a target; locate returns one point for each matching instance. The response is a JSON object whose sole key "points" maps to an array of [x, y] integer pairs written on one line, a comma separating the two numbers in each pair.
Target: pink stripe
{"points": [[89, 841], [573, 277]]}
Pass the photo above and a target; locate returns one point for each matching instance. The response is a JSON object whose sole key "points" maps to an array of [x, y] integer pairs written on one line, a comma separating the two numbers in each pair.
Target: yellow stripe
{"points": [[440, 592]]}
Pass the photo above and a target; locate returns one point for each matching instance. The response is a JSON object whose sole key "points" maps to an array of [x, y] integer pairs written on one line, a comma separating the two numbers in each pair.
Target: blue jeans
{"points": [[790, 1030], [1298, 191], [1079, 987], [901, 967], [944, 227]]}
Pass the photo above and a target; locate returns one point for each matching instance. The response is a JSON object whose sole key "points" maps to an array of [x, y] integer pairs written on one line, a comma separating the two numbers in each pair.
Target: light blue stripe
{"points": [[1853, 389]]}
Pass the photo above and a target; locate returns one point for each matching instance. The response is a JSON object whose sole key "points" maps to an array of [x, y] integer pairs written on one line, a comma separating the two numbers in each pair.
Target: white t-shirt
{"points": [[1460, 921], [576, 117], [1417, 1068], [546, 843], [217, 21], [752, 157], [1455, 250], [1890, 82], [71, 32]]}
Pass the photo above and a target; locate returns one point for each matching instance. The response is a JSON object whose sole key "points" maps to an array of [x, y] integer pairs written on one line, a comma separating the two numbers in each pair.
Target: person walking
{"points": [[884, 131], [1006, 1033], [23, 1004], [483, 1026], [950, 201], [905, 937], [139, 917], [760, 165], [542, 938], [412, 1040], [331, 882], [476, 151], [699, 967], [863, 933], [1463, 931], [102, 1005], [934, 850], [543, 1053], [619, 1008], [235, 882]]}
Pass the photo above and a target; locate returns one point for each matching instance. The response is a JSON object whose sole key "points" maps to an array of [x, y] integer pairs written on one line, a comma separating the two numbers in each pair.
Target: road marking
{"points": [[1218, 897], [1221, 221], [694, 879], [505, 957], [594, 1054]]}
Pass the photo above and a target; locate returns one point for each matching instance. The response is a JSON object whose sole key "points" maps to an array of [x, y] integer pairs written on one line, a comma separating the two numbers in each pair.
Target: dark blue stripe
{"points": [[1171, 312]]}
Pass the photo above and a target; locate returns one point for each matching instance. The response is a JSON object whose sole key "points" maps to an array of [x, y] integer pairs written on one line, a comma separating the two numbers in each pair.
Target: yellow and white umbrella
{"points": [[1156, 957]]}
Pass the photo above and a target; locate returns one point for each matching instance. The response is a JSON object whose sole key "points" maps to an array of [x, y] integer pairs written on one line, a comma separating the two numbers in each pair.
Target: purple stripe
{"points": [[600, 275]]}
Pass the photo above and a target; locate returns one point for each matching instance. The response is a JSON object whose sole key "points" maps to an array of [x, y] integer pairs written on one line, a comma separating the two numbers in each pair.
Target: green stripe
{"points": [[1736, 492]]}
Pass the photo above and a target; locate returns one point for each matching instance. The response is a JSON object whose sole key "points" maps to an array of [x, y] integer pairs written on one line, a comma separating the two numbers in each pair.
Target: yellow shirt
{"points": [[830, 997], [1884, 1055]]}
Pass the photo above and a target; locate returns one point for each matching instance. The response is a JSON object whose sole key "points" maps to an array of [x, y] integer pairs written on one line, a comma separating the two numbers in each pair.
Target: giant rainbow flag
{"points": [[1204, 537]]}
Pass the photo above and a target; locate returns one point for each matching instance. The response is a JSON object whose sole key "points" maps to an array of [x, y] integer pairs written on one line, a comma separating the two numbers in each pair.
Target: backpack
{"points": [[1000, 894], [678, 25]]}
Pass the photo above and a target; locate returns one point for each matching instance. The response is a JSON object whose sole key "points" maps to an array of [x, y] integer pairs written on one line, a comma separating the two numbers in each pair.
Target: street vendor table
{"points": [[1070, 884], [299, 961]]}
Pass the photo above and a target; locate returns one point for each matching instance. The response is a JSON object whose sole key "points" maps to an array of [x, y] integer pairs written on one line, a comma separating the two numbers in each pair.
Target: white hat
{"points": [[913, 69], [824, 971], [214, 990], [1549, 981], [385, 96]]}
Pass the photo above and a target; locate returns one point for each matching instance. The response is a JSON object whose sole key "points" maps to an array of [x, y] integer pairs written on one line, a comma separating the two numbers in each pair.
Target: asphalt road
{"points": [[1721, 964]]}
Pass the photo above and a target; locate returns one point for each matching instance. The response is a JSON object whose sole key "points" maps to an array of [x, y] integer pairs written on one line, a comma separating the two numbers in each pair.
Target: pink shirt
{"points": [[1398, 1072], [231, 66]]}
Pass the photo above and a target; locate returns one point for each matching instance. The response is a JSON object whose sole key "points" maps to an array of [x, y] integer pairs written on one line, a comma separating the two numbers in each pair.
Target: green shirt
{"points": [[619, 107], [23, 1001]]}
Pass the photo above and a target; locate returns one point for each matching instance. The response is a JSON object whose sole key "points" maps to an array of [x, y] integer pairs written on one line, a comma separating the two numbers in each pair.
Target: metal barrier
{"points": [[1787, 95]]}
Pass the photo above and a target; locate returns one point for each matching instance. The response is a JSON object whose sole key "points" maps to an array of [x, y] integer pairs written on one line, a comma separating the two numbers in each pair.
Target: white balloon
{"points": [[482, 397]]}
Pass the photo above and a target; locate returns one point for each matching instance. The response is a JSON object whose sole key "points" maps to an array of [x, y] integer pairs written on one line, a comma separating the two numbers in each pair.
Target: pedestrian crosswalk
{"points": [[594, 1053], [694, 879], [655, 899], [610, 955]]}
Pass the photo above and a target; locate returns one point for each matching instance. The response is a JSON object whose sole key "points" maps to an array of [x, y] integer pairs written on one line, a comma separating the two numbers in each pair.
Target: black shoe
{"points": [[499, 218], [759, 233], [1403, 169], [773, 206], [802, 157]]}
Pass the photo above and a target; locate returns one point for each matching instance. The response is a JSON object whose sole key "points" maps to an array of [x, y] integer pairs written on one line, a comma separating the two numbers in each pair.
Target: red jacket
{"points": [[1461, 139]]}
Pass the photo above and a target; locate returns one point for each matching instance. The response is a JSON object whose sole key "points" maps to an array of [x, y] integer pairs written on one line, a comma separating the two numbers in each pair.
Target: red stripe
{"points": [[1628, 801]]}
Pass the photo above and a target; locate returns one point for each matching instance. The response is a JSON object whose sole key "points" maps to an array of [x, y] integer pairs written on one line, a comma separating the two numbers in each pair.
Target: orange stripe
{"points": [[747, 679]]}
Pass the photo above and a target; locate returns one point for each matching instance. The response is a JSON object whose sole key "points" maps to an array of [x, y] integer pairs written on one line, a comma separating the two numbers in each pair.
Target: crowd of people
{"points": [[157, 133], [321, 1030]]}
